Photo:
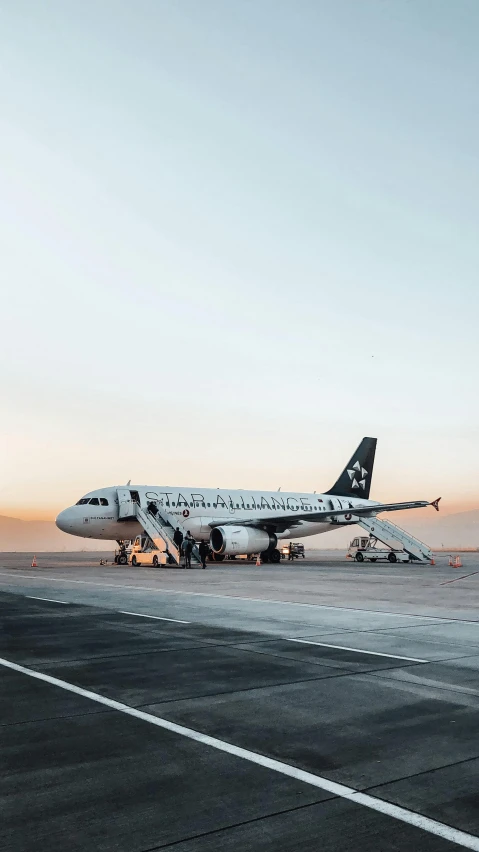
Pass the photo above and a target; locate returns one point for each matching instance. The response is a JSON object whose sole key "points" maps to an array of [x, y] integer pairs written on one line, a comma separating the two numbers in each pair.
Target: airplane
{"points": [[236, 521]]}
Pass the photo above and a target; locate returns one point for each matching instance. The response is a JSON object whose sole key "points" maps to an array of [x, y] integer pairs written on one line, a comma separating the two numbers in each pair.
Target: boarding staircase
{"points": [[161, 532], [385, 531]]}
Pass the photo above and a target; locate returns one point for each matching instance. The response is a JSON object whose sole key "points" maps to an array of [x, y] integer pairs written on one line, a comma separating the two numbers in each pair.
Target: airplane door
{"points": [[334, 503], [125, 504]]}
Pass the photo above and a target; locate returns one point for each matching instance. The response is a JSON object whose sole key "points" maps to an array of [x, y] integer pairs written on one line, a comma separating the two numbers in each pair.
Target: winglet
{"points": [[435, 503]]}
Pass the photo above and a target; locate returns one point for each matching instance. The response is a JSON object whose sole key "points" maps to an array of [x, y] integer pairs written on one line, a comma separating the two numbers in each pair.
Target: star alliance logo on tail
{"points": [[355, 473]]}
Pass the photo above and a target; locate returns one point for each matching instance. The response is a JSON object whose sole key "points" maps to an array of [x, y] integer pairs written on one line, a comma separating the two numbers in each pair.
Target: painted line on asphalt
{"points": [[50, 600], [464, 577], [156, 617], [358, 650], [160, 590], [432, 826]]}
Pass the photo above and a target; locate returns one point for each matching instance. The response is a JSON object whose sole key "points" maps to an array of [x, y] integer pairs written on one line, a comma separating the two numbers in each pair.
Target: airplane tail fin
{"points": [[355, 480]]}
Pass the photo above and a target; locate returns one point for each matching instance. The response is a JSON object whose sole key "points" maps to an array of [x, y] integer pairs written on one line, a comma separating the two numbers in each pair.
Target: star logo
{"points": [[358, 476]]}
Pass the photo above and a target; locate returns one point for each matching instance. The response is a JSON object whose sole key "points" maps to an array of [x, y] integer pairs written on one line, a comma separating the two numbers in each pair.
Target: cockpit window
{"points": [[82, 501], [94, 501], [103, 501]]}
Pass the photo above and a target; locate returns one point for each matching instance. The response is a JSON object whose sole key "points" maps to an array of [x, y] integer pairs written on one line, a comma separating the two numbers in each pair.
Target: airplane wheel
{"points": [[265, 556], [218, 557], [155, 562], [122, 560], [133, 561], [275, 556], [359, 557], [392, 557]]}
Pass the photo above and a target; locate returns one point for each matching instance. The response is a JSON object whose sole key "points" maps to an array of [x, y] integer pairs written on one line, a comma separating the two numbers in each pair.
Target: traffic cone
{"points": [[258, 560], [34, 562], [433, 561], [457, 562]]}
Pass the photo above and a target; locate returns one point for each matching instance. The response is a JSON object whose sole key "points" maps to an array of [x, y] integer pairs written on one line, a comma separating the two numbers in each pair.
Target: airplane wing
{"points": [[280, 523]]}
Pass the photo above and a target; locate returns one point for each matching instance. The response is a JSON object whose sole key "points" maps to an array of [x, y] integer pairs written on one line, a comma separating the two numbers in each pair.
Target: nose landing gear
{"points": [[121, 555]]}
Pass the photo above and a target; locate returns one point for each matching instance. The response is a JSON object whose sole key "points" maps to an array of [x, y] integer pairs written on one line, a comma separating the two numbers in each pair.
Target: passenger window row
{"points": [[304, 508], [192, 504]]}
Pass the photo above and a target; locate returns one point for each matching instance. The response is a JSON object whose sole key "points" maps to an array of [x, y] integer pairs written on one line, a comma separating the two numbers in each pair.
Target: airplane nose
{"points": [[64, 521]]}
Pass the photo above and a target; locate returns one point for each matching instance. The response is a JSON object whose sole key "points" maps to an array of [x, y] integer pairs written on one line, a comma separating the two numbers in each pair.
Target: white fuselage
{"points": [[198, 509]]}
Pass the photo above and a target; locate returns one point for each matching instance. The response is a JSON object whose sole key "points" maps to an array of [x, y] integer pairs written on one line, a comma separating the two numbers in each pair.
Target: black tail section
{"points": [[355, 480]]}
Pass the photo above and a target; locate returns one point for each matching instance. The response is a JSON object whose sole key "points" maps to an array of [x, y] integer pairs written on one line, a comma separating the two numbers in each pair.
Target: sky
{"points": [[235, 238]]}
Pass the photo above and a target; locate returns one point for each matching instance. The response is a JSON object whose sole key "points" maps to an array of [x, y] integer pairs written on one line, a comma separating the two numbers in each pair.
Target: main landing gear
{"points": [[271, 556], [216, 557]]}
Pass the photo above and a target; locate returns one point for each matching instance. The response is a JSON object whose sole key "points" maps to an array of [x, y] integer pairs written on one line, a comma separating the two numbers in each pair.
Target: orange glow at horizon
{"points": [[30, 513]]}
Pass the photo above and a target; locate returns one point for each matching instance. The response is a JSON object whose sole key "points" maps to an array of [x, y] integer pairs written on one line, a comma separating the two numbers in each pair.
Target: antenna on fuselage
{"points": [[279, 489], [129, 482]]}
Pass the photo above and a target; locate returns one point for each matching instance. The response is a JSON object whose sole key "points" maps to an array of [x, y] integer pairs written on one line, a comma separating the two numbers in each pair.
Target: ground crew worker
{"points": [[178, 539], [290, 552], [204, 552], [188, 543]]}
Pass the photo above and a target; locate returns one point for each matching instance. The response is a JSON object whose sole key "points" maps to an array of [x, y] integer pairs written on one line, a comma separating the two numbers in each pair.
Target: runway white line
{"points": [[160, 590], [357, 650], [50, 600], [455, 579], [432, 826], [156, 617]]}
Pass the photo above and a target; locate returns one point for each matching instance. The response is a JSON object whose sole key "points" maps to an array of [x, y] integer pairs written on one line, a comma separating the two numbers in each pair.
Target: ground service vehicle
{"points": [[366, 548], [298, 550], [143, 552]]}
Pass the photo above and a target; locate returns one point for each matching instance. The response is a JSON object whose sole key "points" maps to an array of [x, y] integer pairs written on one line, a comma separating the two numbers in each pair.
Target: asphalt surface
{"points": [[365, 678]]}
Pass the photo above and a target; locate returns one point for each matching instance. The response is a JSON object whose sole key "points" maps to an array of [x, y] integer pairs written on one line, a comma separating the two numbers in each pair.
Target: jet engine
{"points": [[241, 540]]}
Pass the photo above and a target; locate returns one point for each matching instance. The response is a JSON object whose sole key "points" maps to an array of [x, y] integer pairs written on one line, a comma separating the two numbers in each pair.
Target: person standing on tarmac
{"points": [[290, 552], [188, 543], [178, 539], [204, 552]]}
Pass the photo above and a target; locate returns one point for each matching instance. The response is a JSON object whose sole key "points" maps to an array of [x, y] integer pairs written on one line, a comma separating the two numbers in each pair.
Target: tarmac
{"points": [[319, 705]]}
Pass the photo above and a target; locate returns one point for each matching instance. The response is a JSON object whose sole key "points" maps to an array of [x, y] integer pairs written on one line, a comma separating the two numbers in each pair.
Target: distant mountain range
{"points": [[38, 536], [448, 531], [458, 530]]}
